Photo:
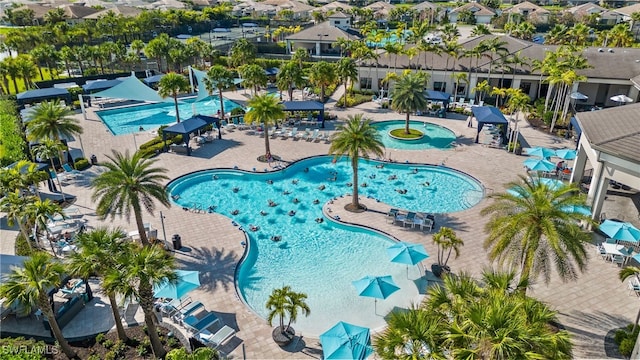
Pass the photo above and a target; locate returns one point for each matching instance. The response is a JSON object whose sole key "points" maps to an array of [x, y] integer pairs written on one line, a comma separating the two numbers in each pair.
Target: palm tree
{"points": [[408, 95], [219, 78], [39, 212], [356, 138], [492, 322], [285, 302], [242, 53], [129, 183], [49, 149], [51, 120], [346, 70], [15, 207], [172, 85], [97, 254], [266, 110], [411, 334], [530, 228], [203, 353], [623, 275], [290, 75], [139, 270], [322, 74], [29, 286], [253, 76], [447, 241]]}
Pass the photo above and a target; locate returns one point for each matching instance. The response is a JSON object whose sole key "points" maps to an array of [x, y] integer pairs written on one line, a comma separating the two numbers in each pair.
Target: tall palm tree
{"points": [[39, 212], [494, 48], [242, 53], [290, 75], [411, 334], [409, 96], [623, 275], [356, 138], [266, 110], [130, 183], [49, 149], [346, 70], [285, 302], [51, 120], [139, 270], [96, 256], [253, 76], [322, 74], [172, 85], [29, 286], [14, 206], [219, 78], [530, 228]]}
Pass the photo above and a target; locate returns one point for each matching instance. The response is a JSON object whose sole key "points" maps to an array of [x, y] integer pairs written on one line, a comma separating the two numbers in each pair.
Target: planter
{"points": [[419, 136], [518, 151], [283, 338], [439, 270]]}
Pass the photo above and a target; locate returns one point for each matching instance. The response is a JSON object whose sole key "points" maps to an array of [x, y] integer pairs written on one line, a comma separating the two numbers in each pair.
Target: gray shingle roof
{"points": [[614, 131], [325, 28]]}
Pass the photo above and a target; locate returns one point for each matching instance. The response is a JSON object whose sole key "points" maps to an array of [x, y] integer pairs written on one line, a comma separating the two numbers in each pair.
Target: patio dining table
{"points": [[613, 249]]}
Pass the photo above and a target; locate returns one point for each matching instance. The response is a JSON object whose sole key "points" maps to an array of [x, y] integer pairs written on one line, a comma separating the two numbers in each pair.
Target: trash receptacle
{"points": [[177, 242], [94, 160]]}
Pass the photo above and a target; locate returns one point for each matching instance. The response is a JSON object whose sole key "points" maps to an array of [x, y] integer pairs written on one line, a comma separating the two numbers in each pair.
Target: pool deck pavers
{"points": [[590, 307]]}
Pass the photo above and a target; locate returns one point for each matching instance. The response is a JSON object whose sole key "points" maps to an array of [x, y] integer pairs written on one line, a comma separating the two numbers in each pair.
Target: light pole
{"points": [[164, 233]]}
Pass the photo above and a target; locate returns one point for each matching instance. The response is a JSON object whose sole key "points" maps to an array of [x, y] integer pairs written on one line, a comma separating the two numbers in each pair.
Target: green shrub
{"points": [[155, 140], [619, 336], [142, 350], [626, 339], [110, 356], [94, 357], [22, 246], [33, 348], [626, 347], [108, 344], [172, 342], [100, 338], [119, 347], [81, 164], [547, 117], [237, 111], [153, 150], [353, 100]]}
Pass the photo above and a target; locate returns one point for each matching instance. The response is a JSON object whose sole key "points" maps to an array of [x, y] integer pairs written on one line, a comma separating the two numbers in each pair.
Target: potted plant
{"points": [[447, 241], [283, 303]]}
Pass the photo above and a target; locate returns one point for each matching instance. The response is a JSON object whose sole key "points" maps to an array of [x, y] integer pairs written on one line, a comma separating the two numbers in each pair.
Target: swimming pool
{"points": [[436, 136], [322, 259], [151, 116]]}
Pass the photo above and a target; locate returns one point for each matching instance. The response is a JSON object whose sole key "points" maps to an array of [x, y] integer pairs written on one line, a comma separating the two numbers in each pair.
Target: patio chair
{"points": [[327, 137], [70, 171], [618, 260], [62, 176], [423, 223], [634, 286], [217, 339], [293, 133], [391, 215], [191, 309], [601, 251], [196, 326], [314, 136], [611, 241], [409, 219], [71, 291], [400, 218]]}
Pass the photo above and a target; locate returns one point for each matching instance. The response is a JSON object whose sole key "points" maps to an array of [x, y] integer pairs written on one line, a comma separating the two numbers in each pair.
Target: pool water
{"points": [[322, 259], [436, 136], [389, 39], [128, 120]]}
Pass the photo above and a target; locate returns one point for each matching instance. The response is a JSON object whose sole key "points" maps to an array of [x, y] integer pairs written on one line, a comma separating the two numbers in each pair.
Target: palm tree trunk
{"points": [[45, 307], [146, 303], [175, 101], [322, 93], [137, 212], [266, 139], [221, 102], [354, 164], [53, 166], [406, 124], [122, 335]]}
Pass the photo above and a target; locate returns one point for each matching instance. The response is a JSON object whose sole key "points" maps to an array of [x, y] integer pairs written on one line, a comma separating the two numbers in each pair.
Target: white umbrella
{"points": [[621, 99], [578, 96]]}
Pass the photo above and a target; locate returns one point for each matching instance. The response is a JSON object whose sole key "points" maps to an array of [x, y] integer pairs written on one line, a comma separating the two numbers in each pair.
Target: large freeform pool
{"points": [[435, 136], [128, 120], [322, 259]]}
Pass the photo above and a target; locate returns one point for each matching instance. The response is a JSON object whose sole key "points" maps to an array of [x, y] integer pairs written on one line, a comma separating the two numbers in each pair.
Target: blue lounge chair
{"points": [[217, 339], [188, 310], [196, 325], [70, 171]]}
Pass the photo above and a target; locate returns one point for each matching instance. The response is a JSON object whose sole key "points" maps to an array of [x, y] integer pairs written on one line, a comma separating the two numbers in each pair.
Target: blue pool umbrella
{"points": [[584, 210], [566, 154], [539, 165], [187, 281], [618, 230], [346, 341], [377, 287], [407, 253], [552, 184], [541, 152]]}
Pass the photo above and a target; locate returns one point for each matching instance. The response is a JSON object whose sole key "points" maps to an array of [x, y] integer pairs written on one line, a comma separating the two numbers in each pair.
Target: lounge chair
{"points": [[327, 137], [217, 339], [69, 292], [391, 215], [634, 287], [190, 309], [408, 220], [62, 176], [314, 136], [196, 325], [70, 171], [293, 133]]}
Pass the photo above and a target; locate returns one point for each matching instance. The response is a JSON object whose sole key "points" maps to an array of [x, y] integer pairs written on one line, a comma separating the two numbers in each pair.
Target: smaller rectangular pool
{"points": [[151, 116]]}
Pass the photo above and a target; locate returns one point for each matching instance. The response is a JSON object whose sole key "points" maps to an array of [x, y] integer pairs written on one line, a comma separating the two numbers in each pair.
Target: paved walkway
{"points": [[590, 308]]}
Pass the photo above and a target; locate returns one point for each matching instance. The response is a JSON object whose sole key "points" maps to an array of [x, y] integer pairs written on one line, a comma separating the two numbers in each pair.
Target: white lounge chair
{"points": [[314, 136], [196, 325], [217, 339], [293, 133]]}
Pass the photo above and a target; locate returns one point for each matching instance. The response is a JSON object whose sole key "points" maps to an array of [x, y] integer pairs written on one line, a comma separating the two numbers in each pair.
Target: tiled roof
{"points": [[126, 11], [525, 5], [335, 6], [78, 11], [311, 34], [614, 131], [475, 8], [628, 10], [425, 5]]}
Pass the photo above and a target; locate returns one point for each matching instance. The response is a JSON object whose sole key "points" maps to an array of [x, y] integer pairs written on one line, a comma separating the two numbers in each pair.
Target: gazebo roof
{"points": [[308, 105], [190, 125]]}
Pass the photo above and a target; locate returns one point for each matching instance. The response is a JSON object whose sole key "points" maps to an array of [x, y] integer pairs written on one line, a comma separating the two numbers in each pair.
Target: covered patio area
{"points": [[309, 106], [186, 128], [489, 115]]}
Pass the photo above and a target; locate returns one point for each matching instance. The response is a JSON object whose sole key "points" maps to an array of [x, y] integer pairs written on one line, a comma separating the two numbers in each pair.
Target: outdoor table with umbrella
{"points": [[187, 281], [566, 154], [407, 253], [346, 341], [541, 152], [622, 231], [377, 287], [621, 99], [539, 165]]}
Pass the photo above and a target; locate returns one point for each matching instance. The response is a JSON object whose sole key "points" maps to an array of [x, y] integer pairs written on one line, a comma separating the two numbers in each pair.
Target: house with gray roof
{"points": [[320, 40], [610, 144], [530, 11], [482, 13]]}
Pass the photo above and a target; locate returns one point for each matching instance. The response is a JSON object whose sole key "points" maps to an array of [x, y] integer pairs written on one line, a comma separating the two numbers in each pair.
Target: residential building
{"points": [[482, 13], [531, 12], [601, 15], [320, 40]]}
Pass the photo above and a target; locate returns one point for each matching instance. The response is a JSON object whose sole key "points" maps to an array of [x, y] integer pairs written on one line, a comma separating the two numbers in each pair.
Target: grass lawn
{"points": [[413, 133], [45, 74]]}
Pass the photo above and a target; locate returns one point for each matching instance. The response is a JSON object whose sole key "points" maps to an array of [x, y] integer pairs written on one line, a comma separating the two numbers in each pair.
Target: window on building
{"points": [[461, 89], [525, 86], [439, 86], [365, 83], [336, 22]]}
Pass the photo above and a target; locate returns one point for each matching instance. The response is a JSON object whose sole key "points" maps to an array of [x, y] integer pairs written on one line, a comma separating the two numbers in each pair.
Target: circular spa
{"points": [[321, 259], [435, 136]]}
